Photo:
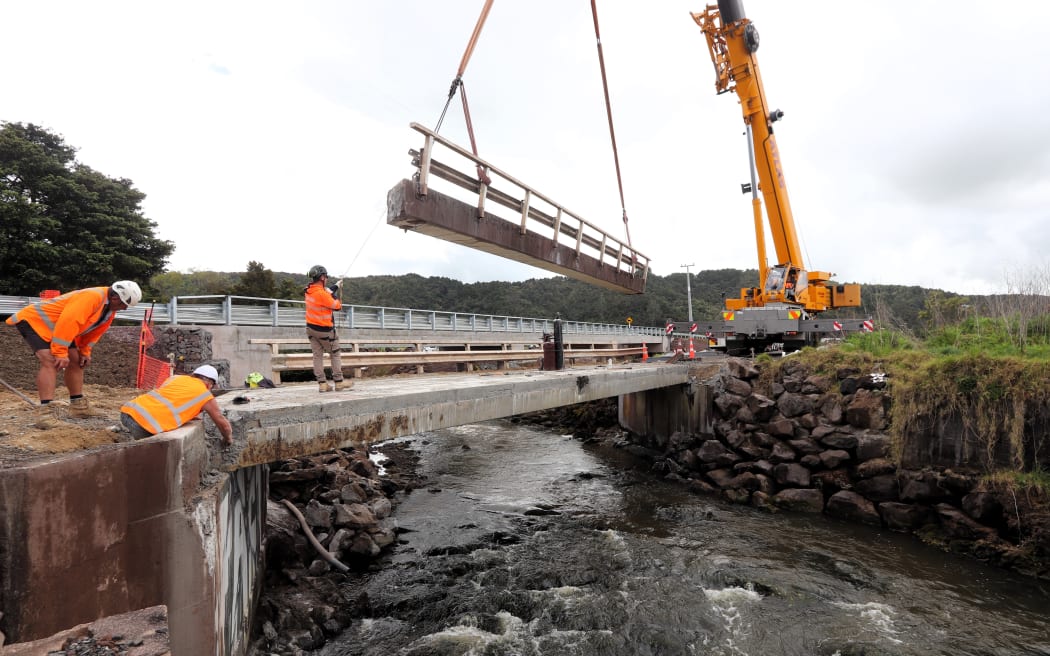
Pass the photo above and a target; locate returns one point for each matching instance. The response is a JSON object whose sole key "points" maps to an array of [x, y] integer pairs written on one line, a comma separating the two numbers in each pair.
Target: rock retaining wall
{"points": [[819, 444], [188, 348]]}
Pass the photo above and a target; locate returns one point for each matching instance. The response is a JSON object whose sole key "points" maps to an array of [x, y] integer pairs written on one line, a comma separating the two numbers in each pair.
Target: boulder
{"points": [[867, 410], [800, 500], [983, 507], [793, 405], [791, 474], [834, 457], [960, 526], [903, 517], [872, 445], [762, 407], [883, 487], [740, 368], [853, 507], [782, 453]]}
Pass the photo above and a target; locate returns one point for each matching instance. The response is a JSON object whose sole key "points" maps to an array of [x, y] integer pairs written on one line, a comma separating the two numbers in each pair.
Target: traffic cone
{"points": [[645, 353], [692, 352]]}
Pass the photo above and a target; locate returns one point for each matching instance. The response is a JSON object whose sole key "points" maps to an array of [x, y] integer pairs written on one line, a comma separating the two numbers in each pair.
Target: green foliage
{"points": [[258, 282], [880, 343], [195, 283], [66, 225], [1036, 482]]}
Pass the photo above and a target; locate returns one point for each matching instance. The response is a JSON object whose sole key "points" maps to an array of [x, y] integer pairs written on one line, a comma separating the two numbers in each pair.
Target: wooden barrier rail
{"points": [[356, 359]]}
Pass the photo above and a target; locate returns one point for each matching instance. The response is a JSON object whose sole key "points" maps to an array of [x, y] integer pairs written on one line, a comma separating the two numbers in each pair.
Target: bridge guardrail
{"points": [[251, 311]]}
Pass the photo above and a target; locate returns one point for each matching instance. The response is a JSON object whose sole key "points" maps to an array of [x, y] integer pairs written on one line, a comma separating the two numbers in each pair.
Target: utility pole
{"points": [[688, 291]]}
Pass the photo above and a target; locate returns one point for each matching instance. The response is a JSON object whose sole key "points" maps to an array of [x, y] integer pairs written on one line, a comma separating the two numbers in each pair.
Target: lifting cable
{"points": [[612, 133], [457, 84]]}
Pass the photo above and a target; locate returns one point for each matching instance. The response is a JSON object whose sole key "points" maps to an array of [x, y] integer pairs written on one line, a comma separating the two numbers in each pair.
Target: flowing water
{"points": [[528, 542]]}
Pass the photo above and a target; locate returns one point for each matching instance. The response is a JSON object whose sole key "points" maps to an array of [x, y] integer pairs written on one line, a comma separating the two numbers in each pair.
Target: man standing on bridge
{"points": [[61, 332], [321, 304]]}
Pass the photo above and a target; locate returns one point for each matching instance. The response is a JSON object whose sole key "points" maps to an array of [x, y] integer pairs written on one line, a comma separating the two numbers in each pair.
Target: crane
{"points": [[779, 312]]}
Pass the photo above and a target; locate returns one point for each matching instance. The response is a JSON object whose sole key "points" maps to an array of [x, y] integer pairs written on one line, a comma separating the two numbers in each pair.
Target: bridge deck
{"points": [[296, 420]]}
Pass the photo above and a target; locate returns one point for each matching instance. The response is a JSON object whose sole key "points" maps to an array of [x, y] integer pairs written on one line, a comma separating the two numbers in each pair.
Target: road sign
{"points": [[869, 326], [670, 328], [630, 321], [836, 325], [692, 328]]}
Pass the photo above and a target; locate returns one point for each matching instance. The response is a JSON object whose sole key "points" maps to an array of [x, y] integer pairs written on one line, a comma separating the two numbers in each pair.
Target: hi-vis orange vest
{"points": [[178, 400], [72, 318], [319, 306]]}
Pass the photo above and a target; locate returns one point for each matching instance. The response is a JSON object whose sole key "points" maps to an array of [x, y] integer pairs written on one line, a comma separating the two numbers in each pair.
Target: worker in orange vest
{"points": [[179, 399], [321, 304], [789, 286], [61, 331]]}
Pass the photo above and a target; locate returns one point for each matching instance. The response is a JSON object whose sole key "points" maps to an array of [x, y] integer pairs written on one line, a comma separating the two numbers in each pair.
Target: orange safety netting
{"points": [[151, 371]]}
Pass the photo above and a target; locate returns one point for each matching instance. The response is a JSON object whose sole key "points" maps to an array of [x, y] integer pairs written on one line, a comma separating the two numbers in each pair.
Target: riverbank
{"points": [[814, 445]]}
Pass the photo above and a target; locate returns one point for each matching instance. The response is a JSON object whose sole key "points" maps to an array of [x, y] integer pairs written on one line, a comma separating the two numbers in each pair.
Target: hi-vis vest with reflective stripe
{"points": [[319, 305], [72, 318], [178, 400]]}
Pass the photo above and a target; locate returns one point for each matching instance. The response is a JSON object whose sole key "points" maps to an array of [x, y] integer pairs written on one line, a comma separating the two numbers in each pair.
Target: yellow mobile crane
{"points": [[779, 313]]}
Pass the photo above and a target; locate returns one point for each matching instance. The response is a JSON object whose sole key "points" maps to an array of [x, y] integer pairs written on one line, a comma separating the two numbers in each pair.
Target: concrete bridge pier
{"points": [[657, 414]]}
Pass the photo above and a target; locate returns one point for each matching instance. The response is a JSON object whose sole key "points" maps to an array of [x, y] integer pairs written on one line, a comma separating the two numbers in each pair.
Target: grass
{"points": [[972, 378], [1036, 482]]}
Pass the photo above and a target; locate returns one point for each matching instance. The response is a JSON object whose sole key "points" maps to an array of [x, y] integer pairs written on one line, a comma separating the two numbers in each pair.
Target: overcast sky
{"points": [[915, 143]]}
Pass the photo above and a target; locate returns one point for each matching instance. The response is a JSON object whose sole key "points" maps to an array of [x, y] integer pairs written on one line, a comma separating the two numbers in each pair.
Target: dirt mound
{"points": [[108, 383]]}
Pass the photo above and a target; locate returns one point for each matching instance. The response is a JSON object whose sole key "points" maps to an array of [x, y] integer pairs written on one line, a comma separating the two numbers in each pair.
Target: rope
{"points": [[612, 132], [458, 82]]}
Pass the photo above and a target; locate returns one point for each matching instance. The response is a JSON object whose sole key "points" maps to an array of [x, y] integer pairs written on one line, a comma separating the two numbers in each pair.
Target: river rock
{"points": [[875, 467], [960, 526], [791, 474], [800, 500], [793, 405], [884, 487], [853, 507], [903, 517], [984, 507], [867, 410], [318, 515], [834, 457], [354, 515]]}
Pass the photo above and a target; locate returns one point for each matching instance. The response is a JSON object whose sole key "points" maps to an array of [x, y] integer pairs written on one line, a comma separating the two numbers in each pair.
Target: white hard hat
{"points": [[128, 292], [207, 371]]}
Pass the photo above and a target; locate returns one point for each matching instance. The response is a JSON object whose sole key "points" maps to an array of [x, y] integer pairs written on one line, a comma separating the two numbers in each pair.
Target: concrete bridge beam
{"points": [[293, 421]]}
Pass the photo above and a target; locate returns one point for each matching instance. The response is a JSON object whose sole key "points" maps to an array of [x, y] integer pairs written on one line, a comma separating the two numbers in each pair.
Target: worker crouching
{"points": [[178, 400]]}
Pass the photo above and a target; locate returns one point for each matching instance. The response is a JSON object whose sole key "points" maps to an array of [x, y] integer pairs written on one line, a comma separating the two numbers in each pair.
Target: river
{"points": [[528, 542]]}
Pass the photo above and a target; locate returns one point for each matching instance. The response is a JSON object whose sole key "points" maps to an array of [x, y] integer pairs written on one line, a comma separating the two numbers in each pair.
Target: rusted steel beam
{"points": [[444, 217]]}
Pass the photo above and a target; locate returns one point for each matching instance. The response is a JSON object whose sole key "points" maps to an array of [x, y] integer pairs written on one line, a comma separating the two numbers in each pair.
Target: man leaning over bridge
{"points": [[321, 305], [179, 399]]}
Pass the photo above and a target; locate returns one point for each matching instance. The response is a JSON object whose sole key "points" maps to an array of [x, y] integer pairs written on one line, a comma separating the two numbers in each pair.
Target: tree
{"points": [[194, 283], [64, 225], [257, 282]]}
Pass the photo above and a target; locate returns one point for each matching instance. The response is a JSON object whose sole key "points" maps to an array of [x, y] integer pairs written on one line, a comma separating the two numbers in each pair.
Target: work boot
{"points": [[46, 417], [344, 384], [322, 387], [81, 409]]}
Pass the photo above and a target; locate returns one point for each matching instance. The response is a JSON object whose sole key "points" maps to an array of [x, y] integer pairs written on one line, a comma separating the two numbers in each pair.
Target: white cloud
{"points": [[913, 142]]}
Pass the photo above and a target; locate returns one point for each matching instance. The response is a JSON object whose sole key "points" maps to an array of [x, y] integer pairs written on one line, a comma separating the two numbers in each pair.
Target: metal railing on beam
{"points": [[552, 220]]}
